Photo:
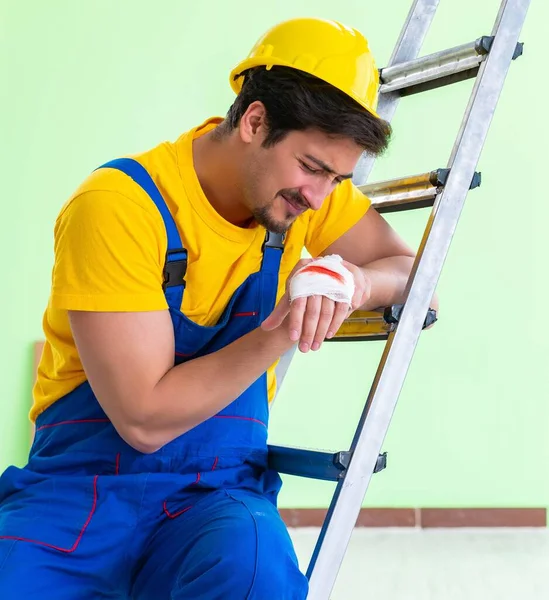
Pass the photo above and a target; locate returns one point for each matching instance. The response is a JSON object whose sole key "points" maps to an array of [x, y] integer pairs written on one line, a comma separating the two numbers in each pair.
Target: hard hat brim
{"points": [[250, 63]]}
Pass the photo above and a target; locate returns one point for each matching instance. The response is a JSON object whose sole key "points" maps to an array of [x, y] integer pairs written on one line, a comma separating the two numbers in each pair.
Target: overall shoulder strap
{"points": [[175, 265]]}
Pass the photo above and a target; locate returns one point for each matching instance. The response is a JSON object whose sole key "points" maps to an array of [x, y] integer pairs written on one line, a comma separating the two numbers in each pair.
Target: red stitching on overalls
{"points": [[174, 515], [245, 314], [184, 354], [117, 467], [74, 422], [242, 418], [75, 545]]}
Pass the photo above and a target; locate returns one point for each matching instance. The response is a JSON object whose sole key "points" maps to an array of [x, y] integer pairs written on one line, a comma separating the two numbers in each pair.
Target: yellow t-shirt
{"points": [[110, 243]]}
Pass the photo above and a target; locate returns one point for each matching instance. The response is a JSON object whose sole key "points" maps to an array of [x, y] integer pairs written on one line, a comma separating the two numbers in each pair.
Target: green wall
{"points": [[85, 81]]}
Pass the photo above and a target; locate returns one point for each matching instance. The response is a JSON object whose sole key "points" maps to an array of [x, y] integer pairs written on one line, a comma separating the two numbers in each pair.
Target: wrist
{"points": [[277, 339]]}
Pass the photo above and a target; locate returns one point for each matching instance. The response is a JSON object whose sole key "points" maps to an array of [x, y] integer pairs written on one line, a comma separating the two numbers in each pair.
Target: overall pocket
{"points": [[49, 511]]}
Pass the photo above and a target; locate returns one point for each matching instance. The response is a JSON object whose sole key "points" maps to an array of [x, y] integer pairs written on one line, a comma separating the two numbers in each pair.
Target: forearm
{"points": [[388, 278], [196, 390]]}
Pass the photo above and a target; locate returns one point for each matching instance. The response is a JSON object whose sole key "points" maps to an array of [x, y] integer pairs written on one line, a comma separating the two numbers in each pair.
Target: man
{"points": [[148, 474]]}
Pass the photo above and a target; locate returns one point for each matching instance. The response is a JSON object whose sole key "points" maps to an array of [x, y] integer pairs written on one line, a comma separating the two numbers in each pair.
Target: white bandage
{"points": [[326, 276]]}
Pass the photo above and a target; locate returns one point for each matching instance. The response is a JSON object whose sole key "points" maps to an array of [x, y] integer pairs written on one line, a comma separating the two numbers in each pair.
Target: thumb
{"points": [[276, 318]]}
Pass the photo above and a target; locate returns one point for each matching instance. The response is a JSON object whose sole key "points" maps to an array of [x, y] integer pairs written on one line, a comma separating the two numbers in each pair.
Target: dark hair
{"points": [[295, 100]]}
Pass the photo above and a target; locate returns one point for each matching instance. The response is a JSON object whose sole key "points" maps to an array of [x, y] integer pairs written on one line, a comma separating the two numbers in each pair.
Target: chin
{"points": [[277, 226], [268, 220]]}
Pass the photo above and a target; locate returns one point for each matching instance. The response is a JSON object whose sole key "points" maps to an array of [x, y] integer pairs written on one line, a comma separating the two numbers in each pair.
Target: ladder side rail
{"points": [[407, 47]]}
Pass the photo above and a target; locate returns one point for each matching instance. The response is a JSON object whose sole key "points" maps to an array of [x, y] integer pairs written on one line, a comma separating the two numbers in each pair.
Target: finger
{"points": [[297, 311], [276, 318], [326, 316], [310, 321], [341, 312]]}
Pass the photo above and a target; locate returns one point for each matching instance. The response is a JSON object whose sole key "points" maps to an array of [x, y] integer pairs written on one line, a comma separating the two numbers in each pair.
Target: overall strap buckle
{"points": [[274, 240], [175, 268]]}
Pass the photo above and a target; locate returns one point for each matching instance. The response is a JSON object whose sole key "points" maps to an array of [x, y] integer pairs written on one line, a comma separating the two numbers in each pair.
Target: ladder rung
{"points": [[315, 464], [363, 325], [444, 67], [407, 193], [372, 326]]}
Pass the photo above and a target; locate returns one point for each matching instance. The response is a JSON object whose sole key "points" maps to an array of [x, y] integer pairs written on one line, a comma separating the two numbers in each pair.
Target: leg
{"points": [[29, 570], [61, 538], [228, 546]]}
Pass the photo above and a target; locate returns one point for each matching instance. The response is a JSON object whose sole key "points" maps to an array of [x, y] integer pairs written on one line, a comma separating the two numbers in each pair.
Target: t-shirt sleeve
{"points": [[109, 255], [343, 208]]}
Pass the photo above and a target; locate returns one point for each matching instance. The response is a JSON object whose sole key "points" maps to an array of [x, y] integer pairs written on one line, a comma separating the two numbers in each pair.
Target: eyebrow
{"points": [[327, 168]]}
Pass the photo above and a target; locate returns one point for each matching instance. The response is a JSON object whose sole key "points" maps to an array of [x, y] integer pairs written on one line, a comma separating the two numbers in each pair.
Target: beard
{"points": [[264, 214]]}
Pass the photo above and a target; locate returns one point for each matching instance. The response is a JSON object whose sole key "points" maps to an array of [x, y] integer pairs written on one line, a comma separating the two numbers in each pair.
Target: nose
{"points": [[316, 193]]}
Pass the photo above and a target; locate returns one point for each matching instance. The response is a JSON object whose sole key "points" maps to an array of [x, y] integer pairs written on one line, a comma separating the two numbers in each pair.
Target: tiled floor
{"points": [[440, 564]]}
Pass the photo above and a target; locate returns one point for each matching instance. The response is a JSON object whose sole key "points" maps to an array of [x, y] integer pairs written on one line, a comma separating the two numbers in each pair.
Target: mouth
{"points": [[293, 207]]}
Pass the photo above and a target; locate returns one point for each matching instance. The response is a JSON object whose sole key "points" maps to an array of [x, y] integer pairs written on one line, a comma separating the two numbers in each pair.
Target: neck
{"points": [[216, 164]]}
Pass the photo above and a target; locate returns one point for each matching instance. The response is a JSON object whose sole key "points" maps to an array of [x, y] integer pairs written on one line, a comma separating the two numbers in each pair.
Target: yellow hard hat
{"points": [[326, 49]]}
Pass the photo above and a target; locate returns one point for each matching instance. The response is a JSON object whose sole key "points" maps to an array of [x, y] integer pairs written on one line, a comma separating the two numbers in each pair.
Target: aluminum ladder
{"points": [[487, 59]]}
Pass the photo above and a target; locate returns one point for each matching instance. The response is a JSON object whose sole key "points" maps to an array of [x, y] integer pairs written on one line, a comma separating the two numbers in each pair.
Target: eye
{"points": [[309, 169], [313, 171]]}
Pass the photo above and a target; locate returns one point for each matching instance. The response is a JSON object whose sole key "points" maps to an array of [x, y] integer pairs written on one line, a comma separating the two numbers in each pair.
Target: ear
{"points": [[253, 123]]}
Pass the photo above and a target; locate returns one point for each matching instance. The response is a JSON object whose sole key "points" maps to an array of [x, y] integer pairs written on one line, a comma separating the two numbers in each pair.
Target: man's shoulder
{"points": [[109, 183]]}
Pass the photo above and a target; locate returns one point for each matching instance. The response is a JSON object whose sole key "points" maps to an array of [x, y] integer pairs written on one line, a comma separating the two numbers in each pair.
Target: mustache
{"points": [[295, 197]]}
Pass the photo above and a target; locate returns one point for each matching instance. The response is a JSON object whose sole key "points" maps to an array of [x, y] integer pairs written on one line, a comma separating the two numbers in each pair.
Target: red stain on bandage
{"points": [[317, 269]]}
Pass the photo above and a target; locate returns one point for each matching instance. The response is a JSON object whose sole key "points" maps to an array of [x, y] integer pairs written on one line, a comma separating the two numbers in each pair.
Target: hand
{"points": [[311, 320]]}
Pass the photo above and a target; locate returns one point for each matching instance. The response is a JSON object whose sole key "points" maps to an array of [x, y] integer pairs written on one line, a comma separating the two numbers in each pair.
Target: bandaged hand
{"points": [[320, 294]]}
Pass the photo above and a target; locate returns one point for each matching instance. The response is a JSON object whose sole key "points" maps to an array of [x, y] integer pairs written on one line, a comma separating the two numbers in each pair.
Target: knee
{"points": [[264, 561], [277, 575], [258, 570], [255, 563], [245, 553]]}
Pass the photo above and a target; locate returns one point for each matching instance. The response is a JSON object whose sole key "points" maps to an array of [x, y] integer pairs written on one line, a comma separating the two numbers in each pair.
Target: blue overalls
{"points": [[90, 517]]}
